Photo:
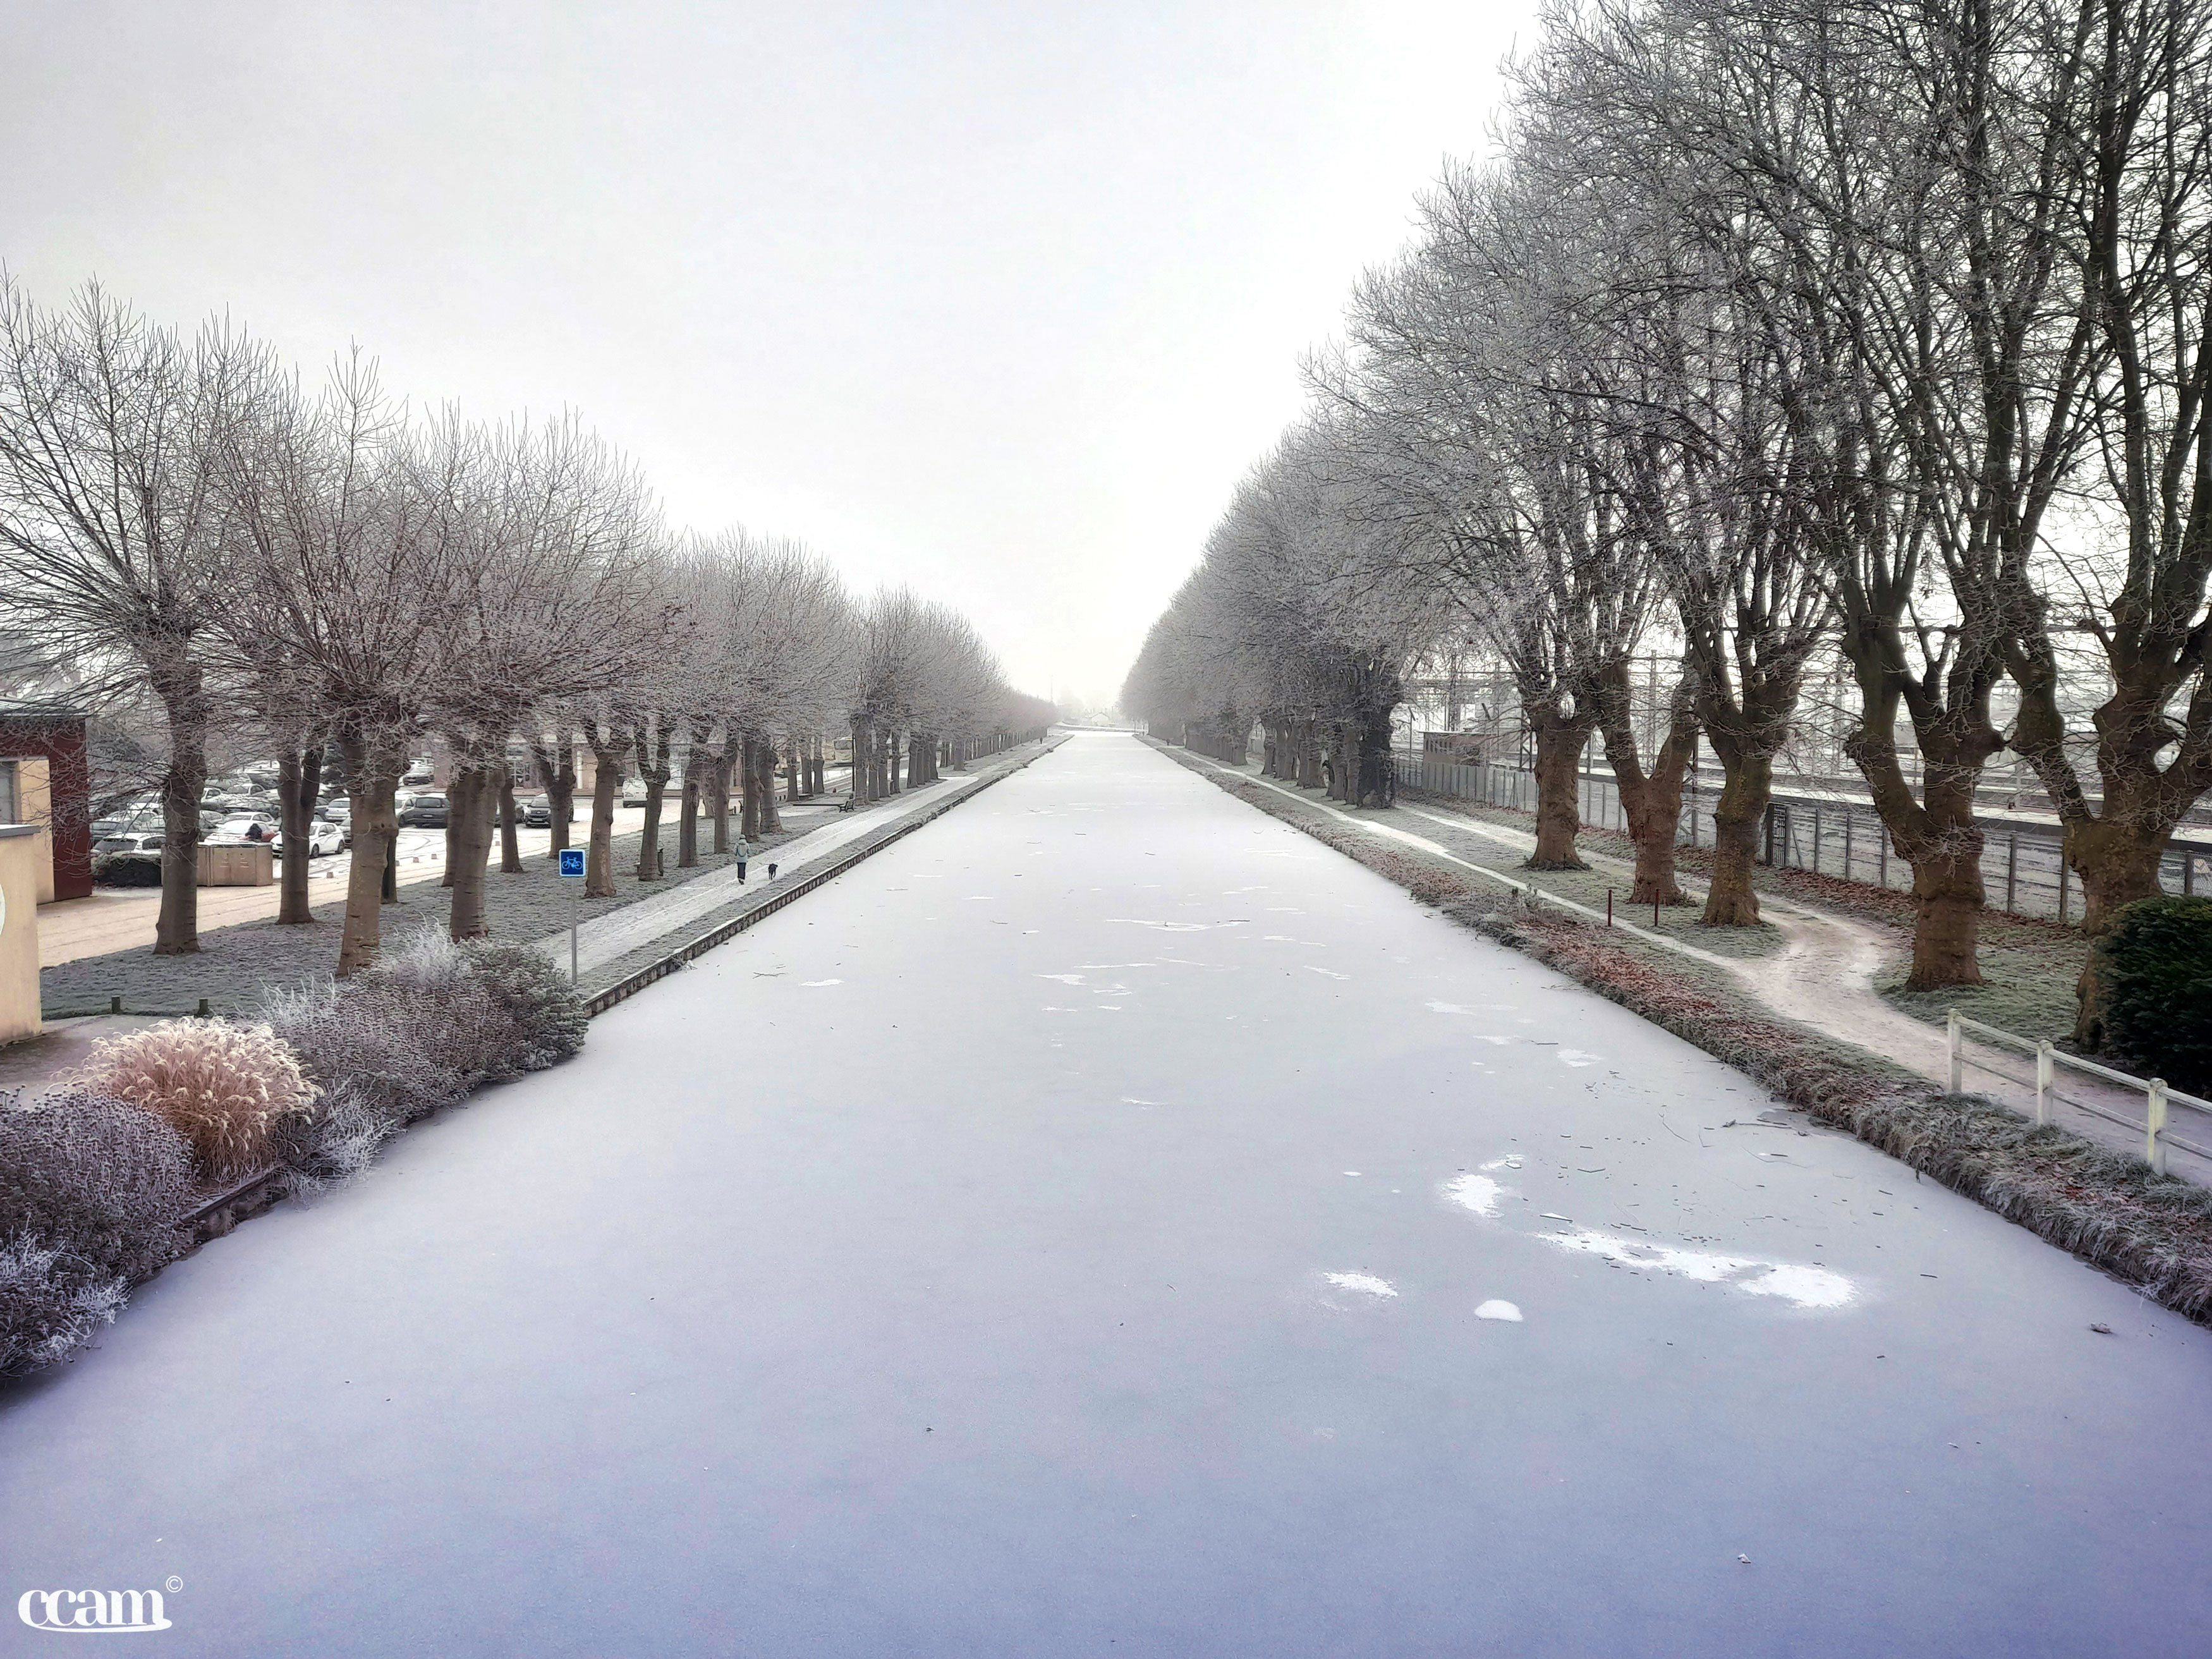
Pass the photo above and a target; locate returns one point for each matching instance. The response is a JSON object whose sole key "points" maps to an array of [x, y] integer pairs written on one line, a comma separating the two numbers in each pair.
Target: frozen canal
{"points": [[1109, 1222]]}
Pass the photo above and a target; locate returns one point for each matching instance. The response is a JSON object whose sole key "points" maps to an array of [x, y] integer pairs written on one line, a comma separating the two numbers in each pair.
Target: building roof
{"points": [[27, 708]]}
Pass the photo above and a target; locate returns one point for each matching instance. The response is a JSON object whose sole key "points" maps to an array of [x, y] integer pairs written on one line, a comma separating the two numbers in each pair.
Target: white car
{"points": [[129, 842], [322, 837]]}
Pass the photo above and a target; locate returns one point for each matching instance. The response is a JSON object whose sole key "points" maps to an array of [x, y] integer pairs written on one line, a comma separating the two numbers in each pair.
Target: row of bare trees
{"points": [[1780, 328], [324, 574]]}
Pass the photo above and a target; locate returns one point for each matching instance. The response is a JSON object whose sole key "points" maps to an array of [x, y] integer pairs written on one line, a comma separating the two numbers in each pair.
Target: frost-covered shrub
{"points": [[548, 1016], [335, 1140], [411, 1035], [51, 1303], [485, 1011], [222, 1086], [105, 1178], [355, 1035]]}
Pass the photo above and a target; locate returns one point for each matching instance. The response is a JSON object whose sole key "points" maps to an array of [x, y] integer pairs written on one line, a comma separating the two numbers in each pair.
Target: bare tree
{"points": [[111, 527]]}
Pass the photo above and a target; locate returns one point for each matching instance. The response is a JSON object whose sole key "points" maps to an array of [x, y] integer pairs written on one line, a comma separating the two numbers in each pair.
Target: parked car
{"points": [[538, 812], [323, 836], [424, 811], [134, 841], [418, 772], [632, 792]]}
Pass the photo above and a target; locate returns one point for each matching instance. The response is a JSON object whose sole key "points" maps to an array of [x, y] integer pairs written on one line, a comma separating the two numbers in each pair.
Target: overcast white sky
{"points": [[999, 299]]}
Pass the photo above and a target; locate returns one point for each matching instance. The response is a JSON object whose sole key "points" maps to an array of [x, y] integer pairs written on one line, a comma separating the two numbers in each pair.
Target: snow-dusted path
{"points": [[1116, 1283]]}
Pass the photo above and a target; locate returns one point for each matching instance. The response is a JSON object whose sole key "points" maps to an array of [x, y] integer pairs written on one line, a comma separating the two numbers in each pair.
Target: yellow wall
{"points": [[37, 806], [21, 864]]}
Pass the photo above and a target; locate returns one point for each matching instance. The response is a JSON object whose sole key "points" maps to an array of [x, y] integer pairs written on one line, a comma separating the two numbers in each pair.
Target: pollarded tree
{"points": [[357, 526], [1846, 173], [1478, 375], [561, 595], [2124, 595], [111, 543]]}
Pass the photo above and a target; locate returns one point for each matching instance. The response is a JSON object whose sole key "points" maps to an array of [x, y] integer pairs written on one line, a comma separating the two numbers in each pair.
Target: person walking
{"points": [[740, 851]]}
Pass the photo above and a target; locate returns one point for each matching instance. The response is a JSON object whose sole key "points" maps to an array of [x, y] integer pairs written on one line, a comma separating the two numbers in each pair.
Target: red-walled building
{"points": [[46, 779]]}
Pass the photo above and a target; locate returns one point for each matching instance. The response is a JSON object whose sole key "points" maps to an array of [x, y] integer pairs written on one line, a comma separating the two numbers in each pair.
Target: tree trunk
{"points": [[654, 771], [771, 820], [1747, 785], [607, 753], [749, 816], [299, 773], [719, 782], [687, 822], [856, 782], [372, 778], [2117, 861], [510, 843], [1559, 741], [558, 778], [469, 807], [1374, 784], [1651, 802], [183, 700]]}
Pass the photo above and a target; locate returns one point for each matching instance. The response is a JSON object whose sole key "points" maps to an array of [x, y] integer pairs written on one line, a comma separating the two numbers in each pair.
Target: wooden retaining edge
{"points": [[631, 984], [247, 1198]]}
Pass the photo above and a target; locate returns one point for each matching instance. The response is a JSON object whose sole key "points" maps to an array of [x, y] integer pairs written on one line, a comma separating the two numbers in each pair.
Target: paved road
{"points": [[1125, 1294]]}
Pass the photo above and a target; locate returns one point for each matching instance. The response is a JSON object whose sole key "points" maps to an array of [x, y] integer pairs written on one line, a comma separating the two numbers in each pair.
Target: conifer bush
{"points": [[104, 1178], [548, 1016], [2154, 969], [223, 1087]]}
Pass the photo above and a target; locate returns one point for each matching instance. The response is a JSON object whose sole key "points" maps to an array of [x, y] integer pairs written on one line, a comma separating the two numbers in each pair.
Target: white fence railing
{"points": [[2157, 1097]]}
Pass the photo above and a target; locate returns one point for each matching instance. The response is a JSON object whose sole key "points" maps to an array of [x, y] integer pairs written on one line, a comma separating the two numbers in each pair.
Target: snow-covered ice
{"points": [[862, 1324]]}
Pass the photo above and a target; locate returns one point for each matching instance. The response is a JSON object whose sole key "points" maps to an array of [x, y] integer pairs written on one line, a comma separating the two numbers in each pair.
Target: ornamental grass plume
{"points": [[223, 1087]]}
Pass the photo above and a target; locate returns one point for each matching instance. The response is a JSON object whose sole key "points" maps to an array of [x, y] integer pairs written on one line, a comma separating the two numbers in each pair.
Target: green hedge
{"points": [[2155, 971]]}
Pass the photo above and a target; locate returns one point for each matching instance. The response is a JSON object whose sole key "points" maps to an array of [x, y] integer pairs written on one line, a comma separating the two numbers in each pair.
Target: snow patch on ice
{"points": [[1496, 1309], [809, 984], [1806, 1286], [1365, 1284], [1132, 1099], [1477, 1192], [1329, 972], [1065, 979], [1511, 1161], [1577, 1057]]}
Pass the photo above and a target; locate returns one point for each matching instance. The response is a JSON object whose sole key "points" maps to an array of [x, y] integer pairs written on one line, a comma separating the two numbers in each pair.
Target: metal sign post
{"points": [[572, 865]]}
